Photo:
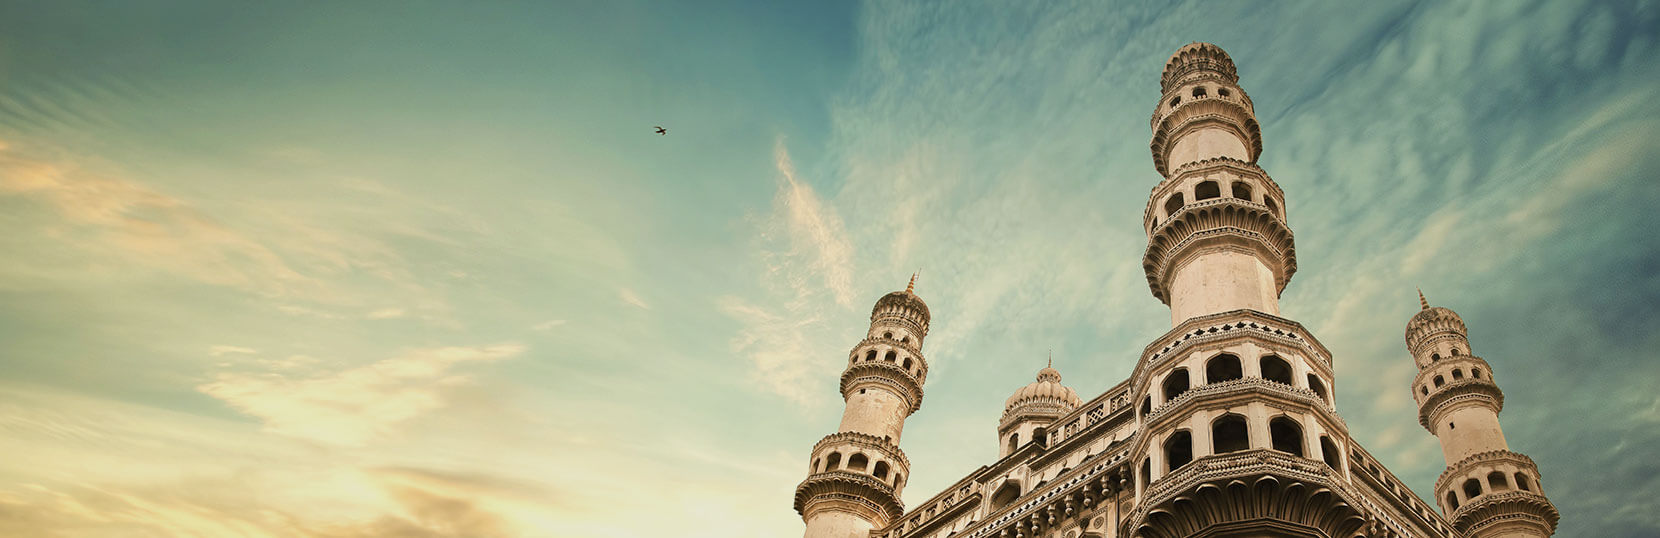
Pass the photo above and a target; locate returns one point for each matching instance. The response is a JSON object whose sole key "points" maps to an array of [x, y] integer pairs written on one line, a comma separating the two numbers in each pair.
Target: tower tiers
{"points": [[1217, 238]]}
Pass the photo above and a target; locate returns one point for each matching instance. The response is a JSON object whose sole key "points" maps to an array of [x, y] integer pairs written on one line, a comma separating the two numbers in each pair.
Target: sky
{"points": [[418, 269]]}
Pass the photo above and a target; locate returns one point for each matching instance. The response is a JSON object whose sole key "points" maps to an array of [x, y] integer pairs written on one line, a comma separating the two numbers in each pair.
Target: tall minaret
{"points": [[1487, 490], [1217, 236], [857, 473]]}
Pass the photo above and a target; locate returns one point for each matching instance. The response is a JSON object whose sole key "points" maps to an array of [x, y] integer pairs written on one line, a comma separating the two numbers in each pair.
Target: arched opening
{"points": [[1173, 204], [1222, 92], [871, 356], [814, 467], [833, 462], [1276, 369], [1178, 450], [1452, 503], [1434, 357], [1329, 453], [1206, 190], [898, 480], [1223, 367], [1014, 441], [1439, 381], [1475, 373], [904, 339], [1455, 352], [1241, 190], [887, 335], [1472, 488], [1146, 472], [1457, 374], [1496, 481], [857, 462], [890, 356], [1424, 389], [907, 364], [1005, 495], [1176, 101], [1175, 384], [1521, 482], [880, 471], [1318, 387], [1199, 91], [1146, 406], [1287, 435], [1229, 434], [1271, 207]]}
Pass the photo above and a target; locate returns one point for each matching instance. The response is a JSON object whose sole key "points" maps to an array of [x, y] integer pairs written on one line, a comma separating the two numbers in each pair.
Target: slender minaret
{"points": [[857, 473], [1487, 490], [1217, 236]]}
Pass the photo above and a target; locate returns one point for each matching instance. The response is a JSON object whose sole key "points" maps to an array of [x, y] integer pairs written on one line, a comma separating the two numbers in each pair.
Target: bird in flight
{"points": [[661, 130]]}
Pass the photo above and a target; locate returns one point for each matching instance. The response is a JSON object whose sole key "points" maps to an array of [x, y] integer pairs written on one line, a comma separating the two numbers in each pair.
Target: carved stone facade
{"points": [[1228, 425]]}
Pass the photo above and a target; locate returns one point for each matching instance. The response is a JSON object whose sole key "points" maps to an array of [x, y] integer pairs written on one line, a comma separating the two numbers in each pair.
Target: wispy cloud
{"points": [[351, 406], [387, 313], [547, 325], [629, 296], [216, 351]]}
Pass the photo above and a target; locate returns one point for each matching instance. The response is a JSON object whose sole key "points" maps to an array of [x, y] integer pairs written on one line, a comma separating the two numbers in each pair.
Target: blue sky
{"points": [[422, 269]]}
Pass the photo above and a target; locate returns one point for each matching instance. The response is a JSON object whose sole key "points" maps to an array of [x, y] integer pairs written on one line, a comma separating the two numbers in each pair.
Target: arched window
{"points": [[1223, 367], [906, 364], [1318, 387], [1229, 434], [1452, 503], [1173, 204], [871, 356], [1146, 406], [880, 471], [1521, 482], [1241, 190], [1475, 373], [1176, 101], [1222, 92], [1496, 481], [888, 335], [1455, 352], [1472, 488], [1329, 453], [1276, 369], [1439, 381], [890, 356], [857, 462], [1434, 357], [1457, 374], [1271, 207], [1146, 472], [833, 462], [1178, 450], [1424, 389], [1199, 91], [1206, 190], [1287, 435], [1175, 384], [1014, 442]]}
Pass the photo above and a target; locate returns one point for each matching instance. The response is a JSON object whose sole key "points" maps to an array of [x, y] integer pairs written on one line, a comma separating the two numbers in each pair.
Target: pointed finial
{"points": [[912, 286], [1422, 300], [1051, 359]]}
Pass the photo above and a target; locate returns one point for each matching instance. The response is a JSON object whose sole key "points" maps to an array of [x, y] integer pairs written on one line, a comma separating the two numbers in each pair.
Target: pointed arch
{"points": [[1175, 384], [1275, 369], [1230, 433], [1287, 435], [1224, 367]]}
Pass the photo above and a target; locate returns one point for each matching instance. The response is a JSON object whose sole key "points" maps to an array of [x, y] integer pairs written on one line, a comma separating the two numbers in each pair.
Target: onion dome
{"points": [[1432, 320], [904, 299], [1194, 58], [1044, 397]]}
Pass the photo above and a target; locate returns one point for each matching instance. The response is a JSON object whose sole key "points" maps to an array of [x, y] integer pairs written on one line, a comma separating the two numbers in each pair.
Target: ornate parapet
{"points": [[1253, 489], [1243, 387], [884, 374], [1187, 114], [1507, 514], [1456, 394], [846, 491], [1219, 223]]}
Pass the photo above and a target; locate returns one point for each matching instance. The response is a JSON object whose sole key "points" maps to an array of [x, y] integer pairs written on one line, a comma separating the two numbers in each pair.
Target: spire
{"points": [[1051, 359], [1422, 300], [909, 288]]}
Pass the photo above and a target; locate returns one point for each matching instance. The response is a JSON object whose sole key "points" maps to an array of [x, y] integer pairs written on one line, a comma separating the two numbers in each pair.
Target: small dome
{"points": [[906, 298], [1431, 320], [1047, 389], [1194, 57]]}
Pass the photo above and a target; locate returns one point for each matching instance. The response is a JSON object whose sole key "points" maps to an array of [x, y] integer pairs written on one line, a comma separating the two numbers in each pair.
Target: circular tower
{"points": [[1487, 490], [1216, 229], [1238, 433], [856, 475], [1032, 409]]}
